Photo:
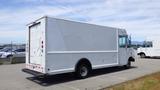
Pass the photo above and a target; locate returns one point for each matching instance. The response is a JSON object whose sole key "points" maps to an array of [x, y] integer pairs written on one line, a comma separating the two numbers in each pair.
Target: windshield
{"points": [[147, 44]]}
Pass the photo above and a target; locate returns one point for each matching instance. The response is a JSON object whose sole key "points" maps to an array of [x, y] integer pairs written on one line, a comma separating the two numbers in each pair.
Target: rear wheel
{"points": [[142, 55], [83, 70], [9, 56], [128, 65]]}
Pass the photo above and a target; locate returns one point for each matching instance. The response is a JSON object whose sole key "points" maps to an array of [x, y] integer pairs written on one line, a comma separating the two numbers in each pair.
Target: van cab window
{"points": [[122, 41]]}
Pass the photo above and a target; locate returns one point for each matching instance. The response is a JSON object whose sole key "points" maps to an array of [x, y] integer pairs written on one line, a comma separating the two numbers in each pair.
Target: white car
{"points": [[16, 53], [2, 51]]}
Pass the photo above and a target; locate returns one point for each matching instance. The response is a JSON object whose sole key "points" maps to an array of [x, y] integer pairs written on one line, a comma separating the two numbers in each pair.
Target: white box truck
{"points": [[152, 50], [56, 46]]}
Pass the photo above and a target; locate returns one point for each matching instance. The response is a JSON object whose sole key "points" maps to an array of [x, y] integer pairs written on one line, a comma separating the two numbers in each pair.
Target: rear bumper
{"points": [[35, 73]]}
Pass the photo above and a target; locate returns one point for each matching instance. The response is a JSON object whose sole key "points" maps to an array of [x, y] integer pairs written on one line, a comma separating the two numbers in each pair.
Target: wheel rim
{"points": [[129, 64], [142, 55], [83, 71]]}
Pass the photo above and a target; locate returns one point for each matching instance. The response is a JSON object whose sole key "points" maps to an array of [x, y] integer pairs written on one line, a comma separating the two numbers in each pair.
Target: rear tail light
{"points": [[42, 44]]}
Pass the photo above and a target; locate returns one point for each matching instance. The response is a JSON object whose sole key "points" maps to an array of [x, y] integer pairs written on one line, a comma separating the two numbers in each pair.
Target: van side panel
{"points": [[75, 36], [68, 41], [66, 62]]}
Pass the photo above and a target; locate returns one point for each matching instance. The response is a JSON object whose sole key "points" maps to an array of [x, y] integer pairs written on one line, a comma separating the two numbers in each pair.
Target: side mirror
{"points": [[129, 43]]}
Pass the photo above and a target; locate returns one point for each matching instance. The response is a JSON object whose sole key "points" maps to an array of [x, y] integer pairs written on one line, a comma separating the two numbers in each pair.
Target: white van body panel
{"points": [[153, 51], [35, 55], [66, 42]]}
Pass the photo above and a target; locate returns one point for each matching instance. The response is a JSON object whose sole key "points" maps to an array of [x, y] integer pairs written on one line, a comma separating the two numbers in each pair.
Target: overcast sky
{"points": [[141, 18]]}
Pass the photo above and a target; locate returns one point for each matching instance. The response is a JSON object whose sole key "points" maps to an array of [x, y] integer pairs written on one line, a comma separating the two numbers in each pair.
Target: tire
{"points": [[128, 65], [142, 55], [9, 56], [83, 71]]}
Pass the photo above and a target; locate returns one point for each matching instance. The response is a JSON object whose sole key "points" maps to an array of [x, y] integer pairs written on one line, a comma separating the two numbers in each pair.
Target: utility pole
{"points": [[11, 47]]}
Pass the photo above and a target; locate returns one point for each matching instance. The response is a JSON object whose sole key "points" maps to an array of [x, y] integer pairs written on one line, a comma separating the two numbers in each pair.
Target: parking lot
{"points": [[12, 78]]}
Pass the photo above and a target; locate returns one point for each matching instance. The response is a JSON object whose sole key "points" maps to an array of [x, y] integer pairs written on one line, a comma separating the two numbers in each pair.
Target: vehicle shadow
{"points": [[68, 77], [152, 58]]}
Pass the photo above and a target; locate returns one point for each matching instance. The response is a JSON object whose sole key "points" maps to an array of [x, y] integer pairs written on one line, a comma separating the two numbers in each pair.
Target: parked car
{"points": [[2, 51], [150, 50], [11, 53]]}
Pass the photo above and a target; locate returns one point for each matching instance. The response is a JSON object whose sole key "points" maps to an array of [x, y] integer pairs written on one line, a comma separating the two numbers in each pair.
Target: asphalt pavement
{"points": [[12, 78]]}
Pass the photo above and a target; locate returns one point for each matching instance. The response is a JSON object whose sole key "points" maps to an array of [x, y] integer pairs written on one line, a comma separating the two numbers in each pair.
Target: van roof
{"points": [[71, 21]]}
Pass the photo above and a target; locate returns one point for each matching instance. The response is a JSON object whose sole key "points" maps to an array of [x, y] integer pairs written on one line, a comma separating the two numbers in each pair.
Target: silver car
{"points": [[15, 53]]}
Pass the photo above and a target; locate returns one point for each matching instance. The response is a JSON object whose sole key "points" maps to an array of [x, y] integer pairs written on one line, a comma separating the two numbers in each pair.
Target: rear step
{"points": [[35, 73]]}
